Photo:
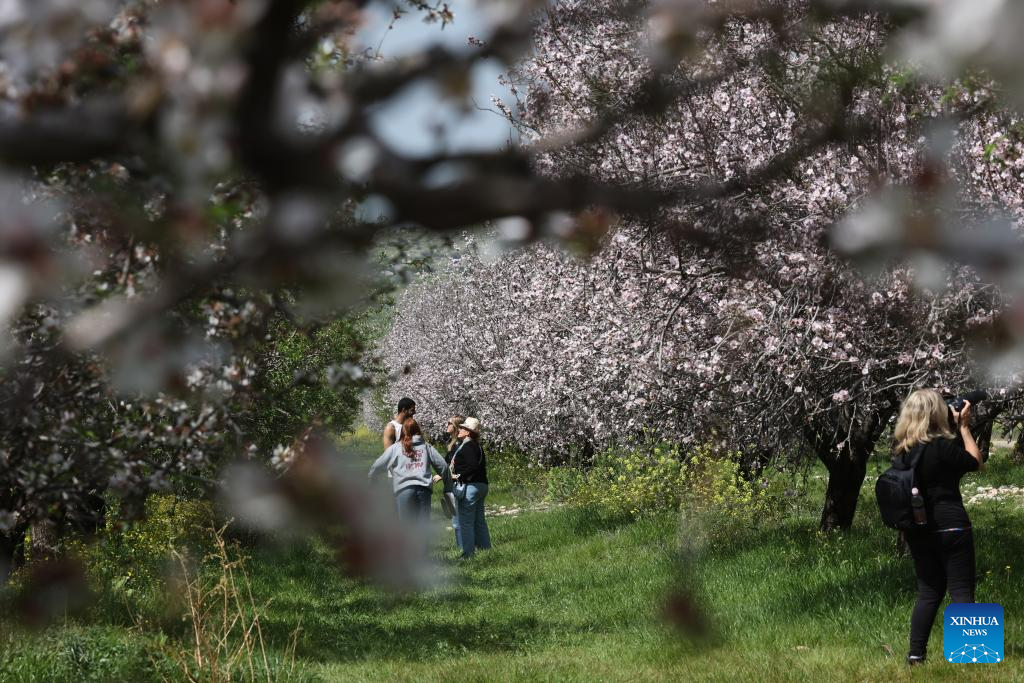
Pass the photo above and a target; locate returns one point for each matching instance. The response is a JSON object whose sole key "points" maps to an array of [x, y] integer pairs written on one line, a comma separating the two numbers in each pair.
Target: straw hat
{"points": [[471, 424]]}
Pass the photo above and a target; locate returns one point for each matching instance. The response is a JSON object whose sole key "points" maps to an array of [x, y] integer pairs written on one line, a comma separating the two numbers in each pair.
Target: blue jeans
{"points": [[413, 503], [472, 531]]}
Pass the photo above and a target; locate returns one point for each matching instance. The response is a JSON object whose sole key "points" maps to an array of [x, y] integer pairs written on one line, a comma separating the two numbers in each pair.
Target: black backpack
{"points": [[893, 490]]}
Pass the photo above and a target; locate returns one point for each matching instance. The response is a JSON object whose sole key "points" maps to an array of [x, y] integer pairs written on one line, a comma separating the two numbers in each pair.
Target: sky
{"points": [[409, 121]]}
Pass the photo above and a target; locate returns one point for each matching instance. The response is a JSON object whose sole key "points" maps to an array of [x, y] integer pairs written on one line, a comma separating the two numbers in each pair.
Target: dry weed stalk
{"points": [[227, 638]]}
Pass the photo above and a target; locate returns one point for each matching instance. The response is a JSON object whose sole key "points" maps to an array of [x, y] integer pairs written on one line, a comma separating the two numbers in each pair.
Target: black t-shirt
{"points": [[943, 464]]}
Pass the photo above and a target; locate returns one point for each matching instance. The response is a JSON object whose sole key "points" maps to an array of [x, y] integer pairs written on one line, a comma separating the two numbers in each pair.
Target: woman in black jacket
{"points": [[470, 472], [943, 550]]}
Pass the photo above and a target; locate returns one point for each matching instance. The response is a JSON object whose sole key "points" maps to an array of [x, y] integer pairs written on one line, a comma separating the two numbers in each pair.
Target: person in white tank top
{"points": [[393, 429]]}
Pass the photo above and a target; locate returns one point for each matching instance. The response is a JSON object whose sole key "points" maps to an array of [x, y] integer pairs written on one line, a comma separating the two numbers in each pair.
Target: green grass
{"points": [[75, 653], [568, 595]]}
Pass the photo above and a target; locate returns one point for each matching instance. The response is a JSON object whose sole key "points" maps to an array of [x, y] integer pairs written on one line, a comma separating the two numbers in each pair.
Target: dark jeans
{"points": [[414, 503], [943, 560]]}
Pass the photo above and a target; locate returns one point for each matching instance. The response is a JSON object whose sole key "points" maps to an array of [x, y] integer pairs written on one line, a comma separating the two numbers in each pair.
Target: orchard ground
{"points": [[571, 595]]}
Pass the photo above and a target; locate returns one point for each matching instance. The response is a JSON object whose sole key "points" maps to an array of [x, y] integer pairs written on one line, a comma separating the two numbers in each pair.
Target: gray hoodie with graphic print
{"points": [[411, 470]]}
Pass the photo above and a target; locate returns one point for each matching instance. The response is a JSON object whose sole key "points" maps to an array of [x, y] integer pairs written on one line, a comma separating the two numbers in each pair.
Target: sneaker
{"points": [[913, 660]]}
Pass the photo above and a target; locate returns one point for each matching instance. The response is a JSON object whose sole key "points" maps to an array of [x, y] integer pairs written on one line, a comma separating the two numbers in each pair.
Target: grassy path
{"points": [[567, 595], [538, 596]]}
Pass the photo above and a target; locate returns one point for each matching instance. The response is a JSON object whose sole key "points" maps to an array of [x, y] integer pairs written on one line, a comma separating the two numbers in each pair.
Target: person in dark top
{"points": [[469, 467], [452, 430], [943, 550]]}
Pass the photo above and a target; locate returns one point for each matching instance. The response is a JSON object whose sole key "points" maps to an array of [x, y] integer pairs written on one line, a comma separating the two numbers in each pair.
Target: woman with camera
{"points": [[943, 549]]}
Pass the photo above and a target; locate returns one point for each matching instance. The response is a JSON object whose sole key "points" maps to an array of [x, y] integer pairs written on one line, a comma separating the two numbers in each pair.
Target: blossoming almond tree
{"points": [[725, 316]]}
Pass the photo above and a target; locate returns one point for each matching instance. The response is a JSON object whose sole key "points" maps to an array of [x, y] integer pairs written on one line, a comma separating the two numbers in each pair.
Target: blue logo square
{"points": [[973, 633]]}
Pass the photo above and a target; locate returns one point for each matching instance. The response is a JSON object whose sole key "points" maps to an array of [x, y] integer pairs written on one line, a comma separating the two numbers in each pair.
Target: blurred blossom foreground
{"points": [[789, 213]]}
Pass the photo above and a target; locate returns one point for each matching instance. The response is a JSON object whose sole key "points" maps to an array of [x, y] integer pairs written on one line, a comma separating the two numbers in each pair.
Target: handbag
{"points": [[448, 505]]}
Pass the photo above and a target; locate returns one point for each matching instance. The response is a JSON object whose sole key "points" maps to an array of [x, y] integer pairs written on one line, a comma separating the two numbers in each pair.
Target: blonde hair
{"points": [[455, 421], [923, 416]]}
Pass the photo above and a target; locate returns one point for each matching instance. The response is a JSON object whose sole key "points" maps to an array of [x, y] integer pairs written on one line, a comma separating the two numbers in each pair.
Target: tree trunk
{"points": [[848, 466], [846, 472], [585, 454], [1017, 455], [12, 552], [43, 545], [984, 438], [982, 430]]}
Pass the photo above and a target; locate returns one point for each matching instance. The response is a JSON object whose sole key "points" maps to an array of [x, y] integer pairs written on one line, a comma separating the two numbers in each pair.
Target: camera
{"points": [[957, 402]]}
